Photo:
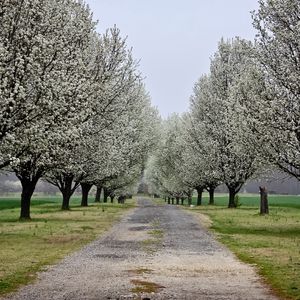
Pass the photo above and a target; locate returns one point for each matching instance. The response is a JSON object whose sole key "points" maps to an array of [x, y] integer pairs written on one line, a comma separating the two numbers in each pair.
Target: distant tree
{"points": [[237, 143], [163, 172], [200, 167], [220, 128], [111, 94], [124, 145], [125, 184]]}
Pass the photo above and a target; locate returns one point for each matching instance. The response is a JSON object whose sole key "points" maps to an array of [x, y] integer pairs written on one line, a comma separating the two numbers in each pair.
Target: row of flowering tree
{"points": [[244, 114], [73, 110]]}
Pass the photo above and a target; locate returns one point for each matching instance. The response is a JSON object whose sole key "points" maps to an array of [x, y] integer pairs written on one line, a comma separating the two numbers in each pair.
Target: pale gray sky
{"points": [[174, 39]]}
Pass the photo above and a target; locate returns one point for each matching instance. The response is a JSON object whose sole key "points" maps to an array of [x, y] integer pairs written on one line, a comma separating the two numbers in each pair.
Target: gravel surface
{"points": [[155, 252]]}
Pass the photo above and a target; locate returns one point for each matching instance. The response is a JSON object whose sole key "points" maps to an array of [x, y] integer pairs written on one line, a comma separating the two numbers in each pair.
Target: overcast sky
{"points": [[174, 39]]}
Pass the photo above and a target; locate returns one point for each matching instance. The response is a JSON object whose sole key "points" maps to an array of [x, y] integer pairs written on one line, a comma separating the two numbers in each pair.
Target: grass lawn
{"points": [[27, 247], [271, 243]]}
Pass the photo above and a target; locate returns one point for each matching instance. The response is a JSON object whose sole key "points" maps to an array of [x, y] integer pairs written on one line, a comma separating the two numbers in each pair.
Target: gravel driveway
{"points": [[155, 252]]}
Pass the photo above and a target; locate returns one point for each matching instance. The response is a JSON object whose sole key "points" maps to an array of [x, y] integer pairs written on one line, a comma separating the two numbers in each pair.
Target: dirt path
{"points": [[155, 252]]}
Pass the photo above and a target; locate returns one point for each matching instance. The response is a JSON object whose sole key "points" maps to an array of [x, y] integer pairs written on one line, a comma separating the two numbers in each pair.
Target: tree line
{"points": [[244, 115], [74, 109]]}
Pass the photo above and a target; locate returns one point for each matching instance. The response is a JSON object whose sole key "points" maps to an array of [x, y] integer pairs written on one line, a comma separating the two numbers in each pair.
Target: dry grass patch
{"points": [[145, 286]]}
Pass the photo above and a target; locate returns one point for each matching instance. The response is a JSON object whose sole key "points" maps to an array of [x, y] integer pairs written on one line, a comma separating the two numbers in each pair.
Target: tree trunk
{"points": [[105, 194], [67, 192], [232, 193], [264, 205], [182, 200], [169, 199], [85, 188], [190, 199], [98, 193], [112, 197], [211, 192], [66, 201], [172, 200], [28, 187], [121, 199], [199, 195], [177, 200]]}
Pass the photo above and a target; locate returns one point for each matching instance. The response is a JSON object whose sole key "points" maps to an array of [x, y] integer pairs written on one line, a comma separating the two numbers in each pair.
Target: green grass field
{"points": [[252, 200], [27, 247], [271, 242]]}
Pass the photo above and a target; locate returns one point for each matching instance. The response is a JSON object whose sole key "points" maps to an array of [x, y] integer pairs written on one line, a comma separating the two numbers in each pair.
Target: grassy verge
{"points": [[27, 247], [271, 243]]}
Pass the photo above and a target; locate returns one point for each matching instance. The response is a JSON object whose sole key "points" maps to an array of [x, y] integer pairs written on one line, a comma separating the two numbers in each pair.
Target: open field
{"points": [[221, 199], [272, 242], [27, 247]]}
